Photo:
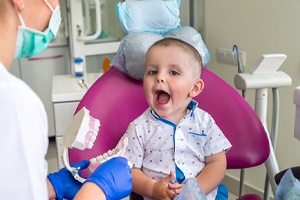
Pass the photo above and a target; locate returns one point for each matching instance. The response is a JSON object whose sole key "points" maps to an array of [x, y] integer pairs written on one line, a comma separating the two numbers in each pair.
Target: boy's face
{"points": [[170, 81]]}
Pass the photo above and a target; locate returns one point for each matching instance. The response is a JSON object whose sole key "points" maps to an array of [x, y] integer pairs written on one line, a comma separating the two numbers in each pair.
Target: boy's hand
{"points": [[176, 187], [162, 191]]}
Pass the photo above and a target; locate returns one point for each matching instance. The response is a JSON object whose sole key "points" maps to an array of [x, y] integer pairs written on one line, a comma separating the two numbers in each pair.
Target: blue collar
{"points": [[192, 106]]}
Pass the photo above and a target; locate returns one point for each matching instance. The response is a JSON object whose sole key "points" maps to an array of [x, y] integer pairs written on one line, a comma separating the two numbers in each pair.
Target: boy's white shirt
{"points": [[189, 157]]}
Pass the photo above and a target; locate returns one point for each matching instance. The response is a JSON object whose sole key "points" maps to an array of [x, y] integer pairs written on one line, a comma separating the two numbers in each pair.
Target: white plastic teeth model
{"points": [[82, 131], [95, 162], [81, 134]]}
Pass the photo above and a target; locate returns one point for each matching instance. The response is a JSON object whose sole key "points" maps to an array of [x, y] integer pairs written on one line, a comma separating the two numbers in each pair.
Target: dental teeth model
{"points": [[81, 134], [95, 162], [82, 131]]}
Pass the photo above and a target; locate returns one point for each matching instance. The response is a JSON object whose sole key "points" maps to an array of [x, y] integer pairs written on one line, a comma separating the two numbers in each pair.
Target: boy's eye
{"points": [[152, 72], [174, 73]]}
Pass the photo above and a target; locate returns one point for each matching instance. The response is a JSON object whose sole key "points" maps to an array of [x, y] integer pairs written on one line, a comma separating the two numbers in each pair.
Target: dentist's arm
{"points": [[90, 191], [51, 191]]}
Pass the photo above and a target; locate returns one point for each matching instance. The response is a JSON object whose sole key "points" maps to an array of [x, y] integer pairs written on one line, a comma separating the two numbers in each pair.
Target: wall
{"points": [[259, 27]]}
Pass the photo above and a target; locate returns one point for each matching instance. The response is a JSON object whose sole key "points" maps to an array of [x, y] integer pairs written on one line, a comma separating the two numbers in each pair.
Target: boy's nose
{"points": [[160, 79]]}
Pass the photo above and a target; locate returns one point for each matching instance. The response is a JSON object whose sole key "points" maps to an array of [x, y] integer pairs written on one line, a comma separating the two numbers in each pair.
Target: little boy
{"points": [[174, 140]]}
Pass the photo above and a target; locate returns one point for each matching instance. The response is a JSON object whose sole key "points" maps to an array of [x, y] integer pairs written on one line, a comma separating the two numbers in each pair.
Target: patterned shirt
{"points": [[158, 146]]}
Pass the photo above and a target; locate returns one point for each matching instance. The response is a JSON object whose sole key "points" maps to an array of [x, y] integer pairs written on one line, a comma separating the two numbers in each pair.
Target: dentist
{"points": [[26, 28]]}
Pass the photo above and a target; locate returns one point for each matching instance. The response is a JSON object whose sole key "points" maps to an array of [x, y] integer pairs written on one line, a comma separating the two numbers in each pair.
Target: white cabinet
{"points": [[63, 113]]}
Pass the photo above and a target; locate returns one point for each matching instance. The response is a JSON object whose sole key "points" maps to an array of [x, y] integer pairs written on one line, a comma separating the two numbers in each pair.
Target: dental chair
{"points": [[116, 99]]}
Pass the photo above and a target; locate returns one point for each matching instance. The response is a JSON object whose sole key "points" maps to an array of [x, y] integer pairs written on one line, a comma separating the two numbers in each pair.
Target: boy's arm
{"points": [[141, 184], [213, 172], [145, 186]]}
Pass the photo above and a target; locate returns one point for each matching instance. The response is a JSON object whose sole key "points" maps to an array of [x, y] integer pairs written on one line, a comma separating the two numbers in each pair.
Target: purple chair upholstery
{"points": [[116, 99]]}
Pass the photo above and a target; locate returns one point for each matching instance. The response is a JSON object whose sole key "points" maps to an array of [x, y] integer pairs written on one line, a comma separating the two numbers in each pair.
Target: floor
{"points": [[52, 156], [53, 167]]}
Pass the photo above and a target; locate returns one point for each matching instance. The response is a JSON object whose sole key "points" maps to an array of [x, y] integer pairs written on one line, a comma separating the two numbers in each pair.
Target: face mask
{"points": [[31, 42]]}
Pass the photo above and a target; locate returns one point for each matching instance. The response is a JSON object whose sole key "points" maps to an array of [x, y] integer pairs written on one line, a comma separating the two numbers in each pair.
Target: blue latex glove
{"points": [[114, 178], [63, 182]]}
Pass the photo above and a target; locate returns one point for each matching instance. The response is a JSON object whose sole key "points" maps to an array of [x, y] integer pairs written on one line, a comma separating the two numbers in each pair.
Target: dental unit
{"points": [[264, 75], [81, 134]]}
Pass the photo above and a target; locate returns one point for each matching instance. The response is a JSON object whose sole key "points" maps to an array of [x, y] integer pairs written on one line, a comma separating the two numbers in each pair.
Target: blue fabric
{"points": [[165, 17], [222, 192], [131, 55], [143, 27], [288, 188], [191, 191]]}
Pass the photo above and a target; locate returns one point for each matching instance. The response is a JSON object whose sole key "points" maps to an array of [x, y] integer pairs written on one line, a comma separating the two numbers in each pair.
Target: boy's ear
{"points": [[197, 89]]}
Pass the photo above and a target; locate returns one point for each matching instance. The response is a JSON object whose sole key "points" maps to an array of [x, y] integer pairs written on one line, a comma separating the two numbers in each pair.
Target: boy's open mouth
{"points": [[162, 97]]}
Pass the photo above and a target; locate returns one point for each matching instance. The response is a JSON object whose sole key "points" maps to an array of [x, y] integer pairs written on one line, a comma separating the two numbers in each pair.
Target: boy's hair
{"points": [[165, 42]]}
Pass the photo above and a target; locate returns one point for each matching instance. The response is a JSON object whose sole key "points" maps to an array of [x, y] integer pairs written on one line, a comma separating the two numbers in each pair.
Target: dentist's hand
{"points": [[113, 177], [63, 182]]}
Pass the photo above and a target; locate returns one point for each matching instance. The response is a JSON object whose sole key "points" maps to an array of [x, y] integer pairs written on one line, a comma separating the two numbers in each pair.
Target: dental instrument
{"points": [[240, 70], [240, 66], [82, 83]]}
